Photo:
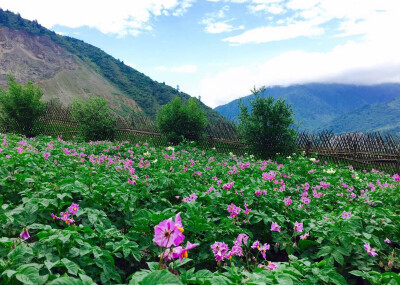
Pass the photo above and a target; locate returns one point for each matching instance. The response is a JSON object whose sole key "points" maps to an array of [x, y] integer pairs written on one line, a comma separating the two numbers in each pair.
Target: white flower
{"points": [[147, 154], [155, 160], [171, 148], [289, 157], [312, 159], [330, 171]]}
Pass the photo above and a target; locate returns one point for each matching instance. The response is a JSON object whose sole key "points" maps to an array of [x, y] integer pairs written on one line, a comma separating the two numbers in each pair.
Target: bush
{"points": [[267, 129], [182, 120], [96, 120], [21, 106]]}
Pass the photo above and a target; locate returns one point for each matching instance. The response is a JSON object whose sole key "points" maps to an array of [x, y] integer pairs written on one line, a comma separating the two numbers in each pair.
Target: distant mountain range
{"points": [[65, 67], [339, 107]]}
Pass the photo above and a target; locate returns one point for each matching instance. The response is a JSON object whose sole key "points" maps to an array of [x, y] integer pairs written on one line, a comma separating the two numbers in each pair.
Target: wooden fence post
{"points": [[308, 147]]}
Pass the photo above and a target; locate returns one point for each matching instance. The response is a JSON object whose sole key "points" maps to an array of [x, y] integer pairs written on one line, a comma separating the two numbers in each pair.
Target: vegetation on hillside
{"points": [[317, 106], [150, 95]]}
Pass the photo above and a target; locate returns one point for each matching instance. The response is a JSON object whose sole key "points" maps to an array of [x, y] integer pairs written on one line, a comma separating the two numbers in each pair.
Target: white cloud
{"points": [[216, 22], [119, 17], [368, 62], [188, 68], [275, 33]]}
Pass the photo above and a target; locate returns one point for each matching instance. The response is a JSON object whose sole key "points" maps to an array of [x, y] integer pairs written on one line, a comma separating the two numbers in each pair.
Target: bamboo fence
{"points": [[362, 151]]}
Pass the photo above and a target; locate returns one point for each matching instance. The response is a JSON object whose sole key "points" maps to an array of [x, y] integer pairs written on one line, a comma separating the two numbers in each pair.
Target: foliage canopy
{"points": [[178, 120], [21, 106], [96, 120], [267, 129]]}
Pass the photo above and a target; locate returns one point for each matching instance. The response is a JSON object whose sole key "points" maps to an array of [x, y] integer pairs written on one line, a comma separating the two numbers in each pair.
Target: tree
{"points": [[21, 106], [267, 129], [96, 120], [178, 120]]}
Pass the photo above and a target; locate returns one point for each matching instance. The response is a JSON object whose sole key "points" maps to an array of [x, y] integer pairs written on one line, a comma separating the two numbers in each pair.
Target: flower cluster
{"points": [[192, 197], [346, 215], [169, 234], [66, 216], [233, 210]]}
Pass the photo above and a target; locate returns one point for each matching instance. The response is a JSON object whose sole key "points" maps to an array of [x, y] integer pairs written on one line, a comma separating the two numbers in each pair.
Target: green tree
{"points": [[21, 106], [268, 128], [179, 120], [96, 120]]}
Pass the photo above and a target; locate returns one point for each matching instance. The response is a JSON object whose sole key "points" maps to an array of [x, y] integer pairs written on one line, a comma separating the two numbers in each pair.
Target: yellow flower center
{"points": [[185, 254], [180, 229], [74, 208]]}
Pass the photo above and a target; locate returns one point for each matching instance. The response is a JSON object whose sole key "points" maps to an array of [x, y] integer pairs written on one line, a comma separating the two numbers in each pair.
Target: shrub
{"points": [[96, 120], [182, 120], [267, 129], [21, 106]]}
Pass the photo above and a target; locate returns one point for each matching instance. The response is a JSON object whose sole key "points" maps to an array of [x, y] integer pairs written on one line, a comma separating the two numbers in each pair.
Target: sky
{"points": [[221, 49]]}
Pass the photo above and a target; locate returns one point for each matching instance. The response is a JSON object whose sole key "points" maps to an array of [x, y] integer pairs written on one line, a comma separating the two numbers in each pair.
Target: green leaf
{"points": [[66, 281], [336, 278], [284, 280], [357, 273], [71, 266], [338, 257], [162, 277], [220, 280], [152, 265], [324, 251], [86, 280], [30, 275]]}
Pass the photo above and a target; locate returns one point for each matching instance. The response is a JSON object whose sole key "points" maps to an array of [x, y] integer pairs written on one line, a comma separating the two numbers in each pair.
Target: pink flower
{"points": [[396, 177], [54, 217], [242, 238], [272, 266], [371, 251], [304, 236], [256, 245], [387, 240], [287, 201], [298, 227], [268, 176], [263, 249], [275, 227], [73, 208], [220, 250], [168, 233], [64, 216], [346, 215], [46, 155], [24, 234], [182, 252], [228, 186]]}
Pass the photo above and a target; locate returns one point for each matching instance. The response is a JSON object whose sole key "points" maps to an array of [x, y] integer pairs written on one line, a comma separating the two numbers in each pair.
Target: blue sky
{"points": [[220, 49]]}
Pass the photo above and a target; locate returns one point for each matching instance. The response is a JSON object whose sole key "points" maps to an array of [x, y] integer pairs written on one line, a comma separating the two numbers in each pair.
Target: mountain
{"points": [[319, 106], [65, 67], [382, 117]]}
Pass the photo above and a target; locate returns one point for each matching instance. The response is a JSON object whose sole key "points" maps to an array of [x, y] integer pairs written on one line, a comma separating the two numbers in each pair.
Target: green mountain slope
{"points": [[382, 117], [319, 105], [122, 83]]}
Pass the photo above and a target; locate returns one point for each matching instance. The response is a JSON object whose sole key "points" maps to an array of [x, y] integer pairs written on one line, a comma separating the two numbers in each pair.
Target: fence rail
{"points": [[363, 151]]}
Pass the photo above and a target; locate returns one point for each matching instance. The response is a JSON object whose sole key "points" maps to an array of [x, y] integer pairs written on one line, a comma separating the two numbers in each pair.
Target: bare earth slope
{"points": [[60, 74]]}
